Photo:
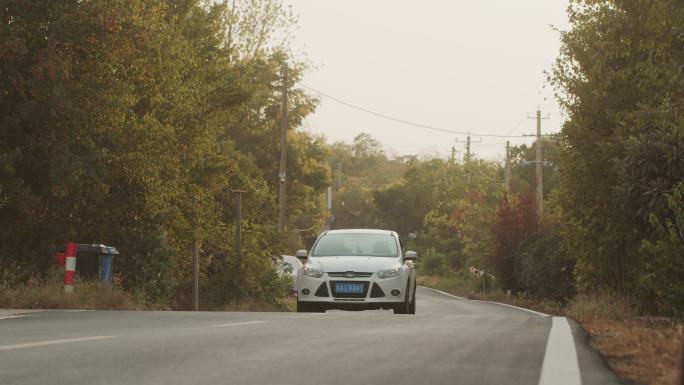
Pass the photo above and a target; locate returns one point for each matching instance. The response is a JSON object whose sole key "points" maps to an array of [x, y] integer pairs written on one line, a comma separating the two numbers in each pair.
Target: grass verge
{"points": [[645, 350], [89, 296], [93, 296]]}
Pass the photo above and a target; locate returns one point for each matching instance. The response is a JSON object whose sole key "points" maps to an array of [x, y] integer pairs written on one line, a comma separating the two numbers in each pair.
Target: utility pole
{"points": [[283, 154], [539, 162], [328, 205], [467, 159], [238, 233], [507, 170], [195, 273], [540, 191]]}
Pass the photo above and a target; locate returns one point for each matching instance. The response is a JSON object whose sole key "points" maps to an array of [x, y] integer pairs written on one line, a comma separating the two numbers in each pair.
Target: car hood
{"points": [[359, 264]]}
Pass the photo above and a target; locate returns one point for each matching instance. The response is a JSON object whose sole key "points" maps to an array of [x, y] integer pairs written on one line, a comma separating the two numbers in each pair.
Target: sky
{"points": [[471, 66]]}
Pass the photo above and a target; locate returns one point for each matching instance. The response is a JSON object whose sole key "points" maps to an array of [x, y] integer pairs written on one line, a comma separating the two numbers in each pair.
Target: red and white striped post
{"points": [[70, 270]]}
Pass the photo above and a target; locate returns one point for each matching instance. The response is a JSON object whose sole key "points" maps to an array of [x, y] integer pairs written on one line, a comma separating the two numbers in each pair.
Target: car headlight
{"points": [[312, 272], [389, 273]]}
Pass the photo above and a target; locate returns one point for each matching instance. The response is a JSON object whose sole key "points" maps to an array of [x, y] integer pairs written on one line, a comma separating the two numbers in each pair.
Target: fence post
{"points": [[70, 267]]}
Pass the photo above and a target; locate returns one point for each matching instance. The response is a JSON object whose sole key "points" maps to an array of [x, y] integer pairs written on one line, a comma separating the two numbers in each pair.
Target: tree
{"points": [[515, 221], [619, 79], [130, 122]]}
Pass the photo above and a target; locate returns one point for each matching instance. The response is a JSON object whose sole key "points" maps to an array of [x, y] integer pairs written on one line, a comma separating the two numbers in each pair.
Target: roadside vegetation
{"points": [[130, 123]]}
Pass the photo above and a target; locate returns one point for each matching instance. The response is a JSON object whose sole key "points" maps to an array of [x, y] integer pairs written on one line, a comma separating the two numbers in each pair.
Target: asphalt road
{"points": [[448, 341]]}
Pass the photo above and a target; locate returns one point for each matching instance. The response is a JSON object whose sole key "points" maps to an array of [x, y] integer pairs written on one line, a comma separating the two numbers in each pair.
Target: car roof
{"points": [[360, 231]]}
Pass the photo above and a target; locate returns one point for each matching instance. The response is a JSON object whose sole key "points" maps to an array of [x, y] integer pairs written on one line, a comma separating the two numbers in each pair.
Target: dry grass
{"points": [[585, 308], [452, 284], [91, 296], [645, 350], [257, 305]]}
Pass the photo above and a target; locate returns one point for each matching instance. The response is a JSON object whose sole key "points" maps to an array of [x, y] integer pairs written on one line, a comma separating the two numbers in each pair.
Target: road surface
{"points": [[448, 341]]}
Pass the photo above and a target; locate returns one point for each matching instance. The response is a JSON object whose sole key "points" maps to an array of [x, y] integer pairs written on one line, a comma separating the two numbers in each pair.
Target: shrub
{"points": [[545, 269], [433, 263]]}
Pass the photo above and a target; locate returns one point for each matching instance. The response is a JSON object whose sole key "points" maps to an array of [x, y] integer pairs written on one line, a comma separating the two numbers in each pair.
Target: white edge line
{"points": [[52, 342], [514, 307], [239, 323], [441, 292], [494, 302], [16, 316], [560, 365]]}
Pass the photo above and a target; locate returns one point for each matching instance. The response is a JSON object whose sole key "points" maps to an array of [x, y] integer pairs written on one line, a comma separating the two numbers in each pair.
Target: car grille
{"points": [[356, 274], [349, 295]]}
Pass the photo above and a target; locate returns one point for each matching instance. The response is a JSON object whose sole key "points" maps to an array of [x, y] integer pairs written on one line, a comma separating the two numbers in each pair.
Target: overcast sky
{"points": [[473, 66]]}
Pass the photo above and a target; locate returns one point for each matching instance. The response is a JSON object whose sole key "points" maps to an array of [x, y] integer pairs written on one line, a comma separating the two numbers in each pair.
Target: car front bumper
{"points": [[377, 292]]}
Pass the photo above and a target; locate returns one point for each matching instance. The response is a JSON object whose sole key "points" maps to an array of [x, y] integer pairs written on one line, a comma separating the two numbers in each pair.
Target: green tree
{"points": [[619, 79]]}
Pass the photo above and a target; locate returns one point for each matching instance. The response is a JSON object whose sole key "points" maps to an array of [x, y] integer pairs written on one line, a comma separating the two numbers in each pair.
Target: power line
{"points": [[394, 119]]}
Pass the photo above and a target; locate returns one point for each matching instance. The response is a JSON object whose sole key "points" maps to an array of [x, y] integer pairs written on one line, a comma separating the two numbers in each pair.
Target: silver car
{"points": [[357, 269]]}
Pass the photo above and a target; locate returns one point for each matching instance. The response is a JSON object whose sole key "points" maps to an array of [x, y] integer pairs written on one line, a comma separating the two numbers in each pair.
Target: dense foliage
{"points": [[620, 80], [130, 122]]}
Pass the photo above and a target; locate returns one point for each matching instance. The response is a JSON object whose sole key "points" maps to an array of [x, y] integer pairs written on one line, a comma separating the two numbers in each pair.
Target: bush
{"points": [[661, 284], [545, 269], [433, 263]]}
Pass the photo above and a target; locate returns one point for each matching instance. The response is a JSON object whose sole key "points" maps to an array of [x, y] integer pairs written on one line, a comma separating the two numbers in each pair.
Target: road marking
{"points": [[52, 342], [476, 300], [15, 316], [441, 292], [514, 307], [560, 365], [240, 323]]}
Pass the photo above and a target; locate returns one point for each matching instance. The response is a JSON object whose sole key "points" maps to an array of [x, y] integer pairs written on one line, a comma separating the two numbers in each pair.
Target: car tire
{"points": [[404, 307]]}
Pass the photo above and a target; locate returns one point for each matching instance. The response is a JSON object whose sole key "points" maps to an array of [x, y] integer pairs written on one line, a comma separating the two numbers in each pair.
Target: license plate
{"points": [[349, 288]]}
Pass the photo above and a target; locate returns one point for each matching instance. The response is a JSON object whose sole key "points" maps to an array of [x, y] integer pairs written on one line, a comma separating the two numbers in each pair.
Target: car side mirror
{"points": [[302, 255], [410, 256]]}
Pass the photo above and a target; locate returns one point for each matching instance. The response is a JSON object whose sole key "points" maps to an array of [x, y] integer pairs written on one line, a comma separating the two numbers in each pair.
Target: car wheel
{"points": [[403, 308]]}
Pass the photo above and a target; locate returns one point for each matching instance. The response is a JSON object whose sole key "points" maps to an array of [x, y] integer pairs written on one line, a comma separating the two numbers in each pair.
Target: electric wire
{"points": [[406, 122]]}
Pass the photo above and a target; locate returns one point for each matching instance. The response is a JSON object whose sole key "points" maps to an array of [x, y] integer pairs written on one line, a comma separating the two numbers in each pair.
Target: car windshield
{"points": [[371, 245]]}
